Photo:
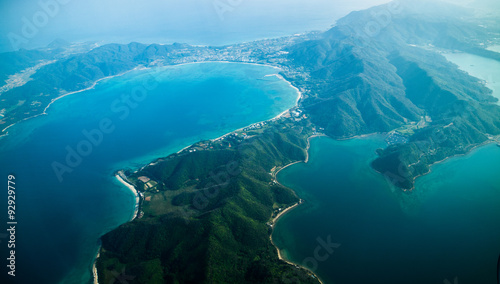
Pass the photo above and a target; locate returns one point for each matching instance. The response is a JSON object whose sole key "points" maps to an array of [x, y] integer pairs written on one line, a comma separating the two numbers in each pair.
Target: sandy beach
{"points": [[123, 181], [275, 219], [4, 131], [94, 268], [359, 136], [132, 188]]}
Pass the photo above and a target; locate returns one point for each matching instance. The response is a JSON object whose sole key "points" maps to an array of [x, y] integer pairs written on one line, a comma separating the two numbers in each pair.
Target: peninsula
{"points": [[223, 193]]}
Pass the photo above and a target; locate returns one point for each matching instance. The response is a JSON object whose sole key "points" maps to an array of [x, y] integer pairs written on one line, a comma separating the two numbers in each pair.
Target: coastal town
{"points": [[402, 134], [269, 51]]}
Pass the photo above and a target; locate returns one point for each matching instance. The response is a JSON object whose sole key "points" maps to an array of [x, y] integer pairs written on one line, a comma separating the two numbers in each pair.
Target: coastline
{"points": [[275, 175], [120, 176], [5, 132], [94, 267], [241, 129], [280, 256], [414, 179], [283, 212], [289, 209], [299, 97], [446, 159]]}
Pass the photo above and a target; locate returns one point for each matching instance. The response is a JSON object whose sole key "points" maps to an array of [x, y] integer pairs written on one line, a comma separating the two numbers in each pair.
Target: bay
{"points": [[446, 229], [124, 122], [480, 67]]}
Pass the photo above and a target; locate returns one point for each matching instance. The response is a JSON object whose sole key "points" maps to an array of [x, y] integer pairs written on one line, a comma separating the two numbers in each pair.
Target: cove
{"points": [[446, 229], [480, 67], [148, 114]]}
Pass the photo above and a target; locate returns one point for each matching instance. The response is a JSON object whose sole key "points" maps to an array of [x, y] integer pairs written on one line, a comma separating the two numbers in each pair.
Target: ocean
{"points": [[63, 162]]}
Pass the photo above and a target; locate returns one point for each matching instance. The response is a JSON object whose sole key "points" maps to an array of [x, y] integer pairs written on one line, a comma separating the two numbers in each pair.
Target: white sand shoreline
{"points": [[123, 181], [134, 191], [94, 267], [283, 212]]}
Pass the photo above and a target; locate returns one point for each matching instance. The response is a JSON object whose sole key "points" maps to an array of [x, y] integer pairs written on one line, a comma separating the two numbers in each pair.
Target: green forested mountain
{"points": [[209, 222], [379, 69], [13, 62]]}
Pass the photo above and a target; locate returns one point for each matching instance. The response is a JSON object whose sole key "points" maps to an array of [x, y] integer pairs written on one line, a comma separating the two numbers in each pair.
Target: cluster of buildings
{"points": [[394, 138], [269, 50], [255, 126], [296, 112], [318, 131], [148, 183]]}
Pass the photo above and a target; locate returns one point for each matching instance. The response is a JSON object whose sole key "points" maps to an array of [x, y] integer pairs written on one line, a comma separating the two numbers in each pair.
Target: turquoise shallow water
{"points": [[124, 122], [447, 228]]}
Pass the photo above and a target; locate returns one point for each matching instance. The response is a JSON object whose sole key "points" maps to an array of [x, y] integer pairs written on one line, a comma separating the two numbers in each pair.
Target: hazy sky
{"points": [[27, 23], [33, 23]]}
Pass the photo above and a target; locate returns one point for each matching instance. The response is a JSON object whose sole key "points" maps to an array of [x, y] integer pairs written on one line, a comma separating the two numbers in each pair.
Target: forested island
{"points": [[207, 211]]}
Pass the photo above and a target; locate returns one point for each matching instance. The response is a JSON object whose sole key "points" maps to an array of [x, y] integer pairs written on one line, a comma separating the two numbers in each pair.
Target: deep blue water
{"points": [[132, 119], [448, 228]]}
